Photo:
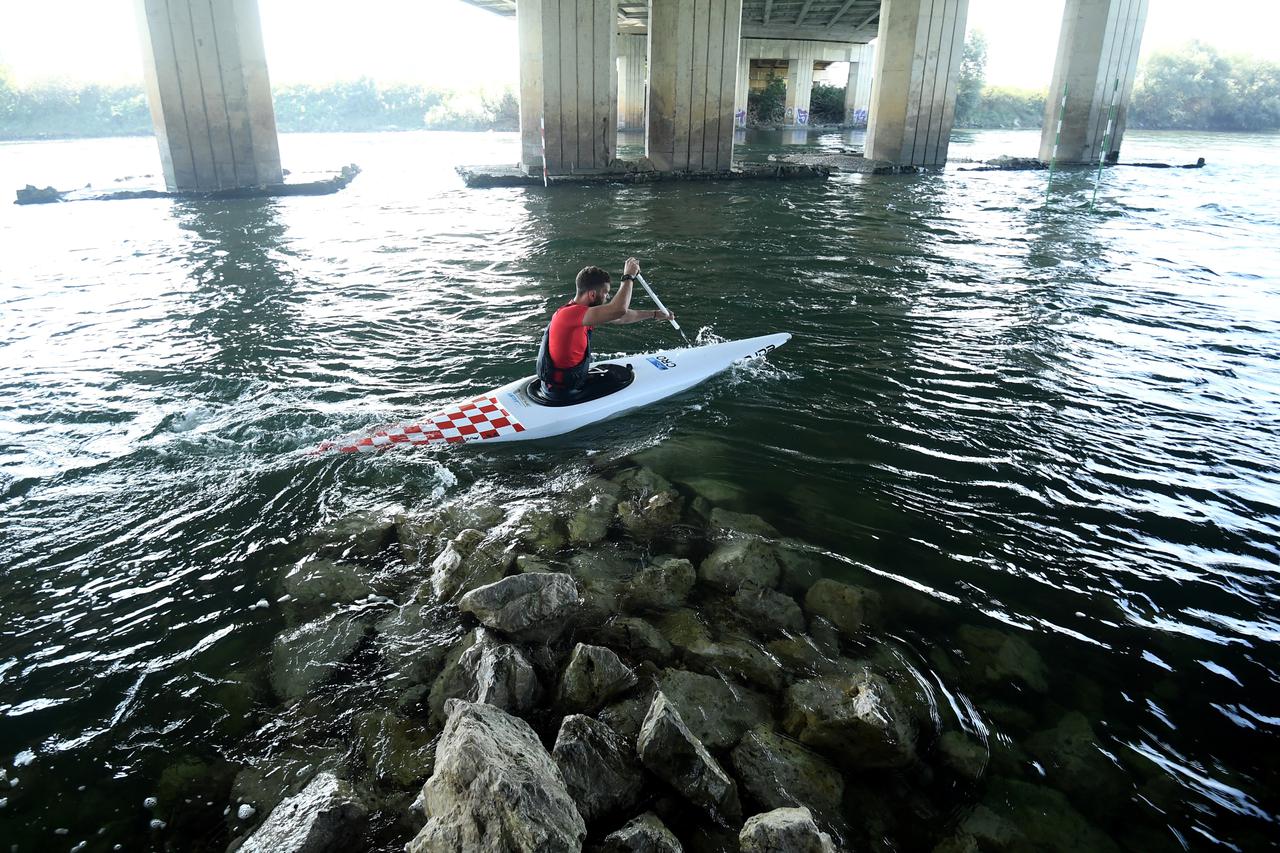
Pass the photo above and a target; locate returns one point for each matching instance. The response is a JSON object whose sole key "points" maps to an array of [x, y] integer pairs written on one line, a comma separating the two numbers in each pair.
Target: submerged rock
{"points": [[590, 523], [313, 586], [396, 751], [540, 530], [309, 655], [662, 585], [965, 757], [768, 611], [644, 834], [1074, 761], [467, 562], [1020, 816], [784, 831], [593, 676], [718, 713], [360, 535], [731, 654], [413, 643], [635, 638], [731, 525], [674, 755], [652, 517], [530, 607], [778, 772], [324, 817], [422, 536], [846, 607], [855, 718], [483, 669], [641, 482], [738, 563], [495, 788], [994, 658], [599, 768]]}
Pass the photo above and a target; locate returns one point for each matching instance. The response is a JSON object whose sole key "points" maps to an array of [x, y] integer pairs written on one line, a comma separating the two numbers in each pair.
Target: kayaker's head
{"points": [[593, 285]]}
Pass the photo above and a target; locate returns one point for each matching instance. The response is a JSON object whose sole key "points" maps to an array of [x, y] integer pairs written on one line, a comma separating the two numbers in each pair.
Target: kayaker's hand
{"points": [[631, 267], [664, 315]]}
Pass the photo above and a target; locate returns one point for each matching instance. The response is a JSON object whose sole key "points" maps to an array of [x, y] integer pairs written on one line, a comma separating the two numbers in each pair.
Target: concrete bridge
{"points": [[680, 70]]}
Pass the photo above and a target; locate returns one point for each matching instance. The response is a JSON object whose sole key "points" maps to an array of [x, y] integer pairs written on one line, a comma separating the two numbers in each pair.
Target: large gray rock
{"points": [[644, 834], [467, 562], [674, 755], [738, 563], [308, 655], [778, 773], [535, 607], [717, 712], [997, 659], [324, 817], [856, 718], [423, 536], [846, 607], [593, 676], [641, 483], [662, 585], [635, 638], [768, 611], [730, 654], [481, 668], [649, 518], [784, 831], [627, 715], [600, 770], [539, 529], [495, 789]]}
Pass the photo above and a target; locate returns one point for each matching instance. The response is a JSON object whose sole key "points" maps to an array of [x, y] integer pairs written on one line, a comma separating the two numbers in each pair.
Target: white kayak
{"points": [[510, 414]]}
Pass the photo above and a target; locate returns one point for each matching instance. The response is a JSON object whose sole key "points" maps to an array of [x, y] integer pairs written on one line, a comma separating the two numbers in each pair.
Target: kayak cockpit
{"points": [[602, 380]]}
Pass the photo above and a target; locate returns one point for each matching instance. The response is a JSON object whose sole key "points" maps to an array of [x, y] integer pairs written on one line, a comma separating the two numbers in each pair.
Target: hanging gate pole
{"points": [[1106, 139], [1057, 135]]}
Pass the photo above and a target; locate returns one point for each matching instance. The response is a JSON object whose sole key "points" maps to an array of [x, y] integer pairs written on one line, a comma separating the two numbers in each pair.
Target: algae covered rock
{"points": [[635, 638], [785, 830], [674, 755], [652, 517], [593, 676], [358, 535], [846, 607], [643, 834], [738, 563], [768, 611], [729, 654], [540, 530], [728, 525], [966, 758], [467, 562], [590, 522], [855, 718], [315, 585], [397, 751], [662, 585], [481, 668], [778, 772], [324, 817], [718, 713], [599, 768], [529, 607], [494, 787], [308, 655]]}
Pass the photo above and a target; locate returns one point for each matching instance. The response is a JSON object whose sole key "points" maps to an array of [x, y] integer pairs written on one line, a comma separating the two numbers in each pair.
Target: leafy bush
{"points": [[826, 104], [1007, 107], [769, 105]]}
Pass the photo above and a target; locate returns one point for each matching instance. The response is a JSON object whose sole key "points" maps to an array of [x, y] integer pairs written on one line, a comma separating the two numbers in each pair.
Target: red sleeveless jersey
{"points": [[567, 339]]}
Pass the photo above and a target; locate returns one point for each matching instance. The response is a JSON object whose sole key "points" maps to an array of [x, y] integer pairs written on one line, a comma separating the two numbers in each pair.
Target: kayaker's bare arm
{"points": [[635, 316], [617, 307]]}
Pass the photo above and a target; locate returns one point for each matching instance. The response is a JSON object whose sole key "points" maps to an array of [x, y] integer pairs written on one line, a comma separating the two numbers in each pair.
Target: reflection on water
{"points": [[1014, 416]]}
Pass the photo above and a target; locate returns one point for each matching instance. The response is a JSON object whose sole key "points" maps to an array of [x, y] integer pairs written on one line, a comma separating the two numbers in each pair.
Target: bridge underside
{"points": [[845, 21]]}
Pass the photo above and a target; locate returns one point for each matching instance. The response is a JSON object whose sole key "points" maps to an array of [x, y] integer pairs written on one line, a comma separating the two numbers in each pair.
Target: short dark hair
{"points": [[591, 278]]}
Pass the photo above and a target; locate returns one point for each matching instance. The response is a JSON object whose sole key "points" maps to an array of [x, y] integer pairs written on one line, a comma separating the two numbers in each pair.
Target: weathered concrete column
{"points": [[693, 67], [1097, 61], [913, 96], [569, 80], [206, 75], [632, 55], [799, 86], [857, 89]]}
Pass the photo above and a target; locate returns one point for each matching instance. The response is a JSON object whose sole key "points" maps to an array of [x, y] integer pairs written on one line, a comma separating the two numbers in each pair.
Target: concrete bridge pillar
{"points": [[632, 57], [913, 96], [206, 75], [743, 87], [693, 67], [857, 89], [799, 85], [1097, 60], [568, 79]]}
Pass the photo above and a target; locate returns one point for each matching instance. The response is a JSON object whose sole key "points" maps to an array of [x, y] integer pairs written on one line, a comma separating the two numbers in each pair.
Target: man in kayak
{"points": [[564, 358]]}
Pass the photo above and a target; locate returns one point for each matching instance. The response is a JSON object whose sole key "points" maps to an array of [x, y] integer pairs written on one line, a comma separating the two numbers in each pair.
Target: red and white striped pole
{"points": [[542, 129]]}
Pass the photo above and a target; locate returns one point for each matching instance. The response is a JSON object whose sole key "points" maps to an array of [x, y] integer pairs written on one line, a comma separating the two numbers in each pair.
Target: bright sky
{"points": [[453, 45]]}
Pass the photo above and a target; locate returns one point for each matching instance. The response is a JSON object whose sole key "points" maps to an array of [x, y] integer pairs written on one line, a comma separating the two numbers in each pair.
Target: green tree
{"points": [[826, 104], [973, 72], [768, 106]]}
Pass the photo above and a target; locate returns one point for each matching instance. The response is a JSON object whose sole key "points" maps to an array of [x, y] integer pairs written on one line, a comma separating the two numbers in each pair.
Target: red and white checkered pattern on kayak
{"points": [[475, 420]]}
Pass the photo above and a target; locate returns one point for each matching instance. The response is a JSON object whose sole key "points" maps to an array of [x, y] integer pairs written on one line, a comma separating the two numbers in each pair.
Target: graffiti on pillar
{"points": [[856, 118], [802, 116], [790, 117], [740, 118]]}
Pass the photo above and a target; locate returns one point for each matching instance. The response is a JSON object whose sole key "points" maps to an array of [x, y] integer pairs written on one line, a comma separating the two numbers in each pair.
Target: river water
{"points": [[1060, 424]]}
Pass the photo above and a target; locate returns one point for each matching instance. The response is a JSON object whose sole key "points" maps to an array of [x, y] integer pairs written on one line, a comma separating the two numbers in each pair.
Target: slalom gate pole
{"points": [[1106, 140], [1057, 135], [661, 307]]}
